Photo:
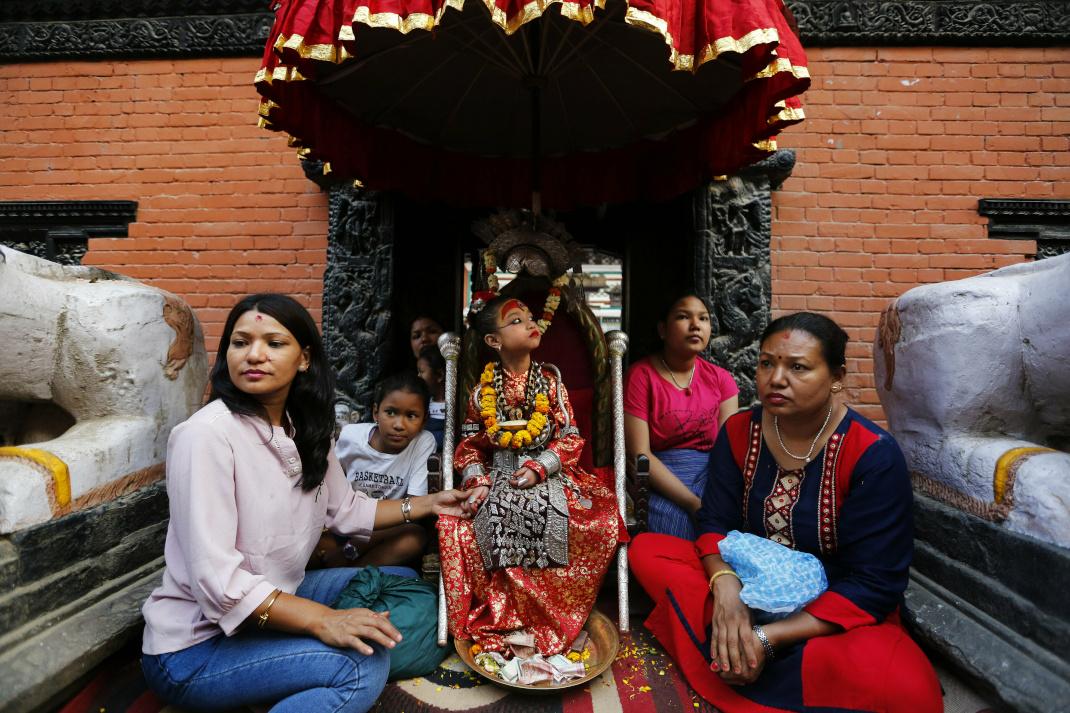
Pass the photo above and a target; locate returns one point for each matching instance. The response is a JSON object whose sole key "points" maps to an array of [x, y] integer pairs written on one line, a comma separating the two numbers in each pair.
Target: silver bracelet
{"points": [[474, 470], [406, 509], [550, 462], [770, 652]]}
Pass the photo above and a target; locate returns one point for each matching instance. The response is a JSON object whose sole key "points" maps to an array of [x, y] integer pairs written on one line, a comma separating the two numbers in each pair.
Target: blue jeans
{"points": [[298, 673]]}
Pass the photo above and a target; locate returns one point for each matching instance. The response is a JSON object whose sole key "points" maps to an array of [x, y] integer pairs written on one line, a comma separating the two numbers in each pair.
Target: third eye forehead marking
{"points": [[509, 306], [259, 318]]}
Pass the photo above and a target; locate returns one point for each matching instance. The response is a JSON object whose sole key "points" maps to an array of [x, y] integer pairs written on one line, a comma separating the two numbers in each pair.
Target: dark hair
{"points": [[428, 317], [830, 335], [666, 307], [433, 357], [309, 402], [403, 381], [485, 321]]}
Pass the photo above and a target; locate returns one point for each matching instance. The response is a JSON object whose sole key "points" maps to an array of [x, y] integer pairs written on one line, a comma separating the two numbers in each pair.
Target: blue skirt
{"points": [[692, 468]]}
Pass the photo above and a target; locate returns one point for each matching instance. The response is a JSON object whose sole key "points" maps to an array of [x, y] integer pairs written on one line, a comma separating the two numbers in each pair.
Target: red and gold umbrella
{"points": [[485, 101]]}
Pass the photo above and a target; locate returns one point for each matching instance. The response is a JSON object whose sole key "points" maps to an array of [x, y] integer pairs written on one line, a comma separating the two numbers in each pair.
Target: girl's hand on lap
{"points": [[524, 478], [354, 628], [451, 502], [473, 499]]}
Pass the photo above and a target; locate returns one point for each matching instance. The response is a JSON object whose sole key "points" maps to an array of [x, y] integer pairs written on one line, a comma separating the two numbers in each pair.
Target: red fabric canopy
{"points": [[311, 39]]}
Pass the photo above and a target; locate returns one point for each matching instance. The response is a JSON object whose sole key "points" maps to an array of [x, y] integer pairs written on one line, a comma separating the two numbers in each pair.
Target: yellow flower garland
{"points": [[488, 409]]}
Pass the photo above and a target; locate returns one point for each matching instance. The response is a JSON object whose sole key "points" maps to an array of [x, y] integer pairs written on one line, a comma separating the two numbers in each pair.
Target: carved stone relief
{"points": [[905, 22], [731, 267]]}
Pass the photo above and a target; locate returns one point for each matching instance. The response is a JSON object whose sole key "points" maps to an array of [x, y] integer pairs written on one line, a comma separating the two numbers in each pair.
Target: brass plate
{"points": [[603, 641]]}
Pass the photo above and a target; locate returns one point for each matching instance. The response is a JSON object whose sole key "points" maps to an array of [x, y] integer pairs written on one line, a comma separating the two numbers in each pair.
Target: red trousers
{"points": [[875, 668]]}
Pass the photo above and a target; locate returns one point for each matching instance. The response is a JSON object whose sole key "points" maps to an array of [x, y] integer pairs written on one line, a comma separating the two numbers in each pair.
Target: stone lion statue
{"points": [[95, 369], [974, 376]]}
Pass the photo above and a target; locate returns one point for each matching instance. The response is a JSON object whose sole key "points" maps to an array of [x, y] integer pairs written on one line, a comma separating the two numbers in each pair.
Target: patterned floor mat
{"points": [[642, 679]]}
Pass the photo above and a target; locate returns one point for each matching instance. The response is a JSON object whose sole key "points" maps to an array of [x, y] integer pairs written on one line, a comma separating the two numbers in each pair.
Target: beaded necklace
{"points": [[495, 410]]}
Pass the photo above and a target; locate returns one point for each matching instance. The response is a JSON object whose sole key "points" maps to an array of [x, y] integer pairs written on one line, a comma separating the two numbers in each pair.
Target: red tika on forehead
{"points": [[509, 306], [259, 317]]}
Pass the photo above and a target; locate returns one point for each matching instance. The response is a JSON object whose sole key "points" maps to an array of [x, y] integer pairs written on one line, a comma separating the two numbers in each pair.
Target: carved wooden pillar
{"points": [[357, 292], [733, 222]]}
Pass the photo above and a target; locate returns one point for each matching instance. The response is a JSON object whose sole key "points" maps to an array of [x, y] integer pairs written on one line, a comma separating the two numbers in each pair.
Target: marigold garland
{"points": [[488, 409]]}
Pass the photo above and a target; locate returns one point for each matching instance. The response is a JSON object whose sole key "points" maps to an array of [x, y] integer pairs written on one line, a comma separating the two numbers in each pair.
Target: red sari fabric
{"points": [[309, 34], [552, 603]]}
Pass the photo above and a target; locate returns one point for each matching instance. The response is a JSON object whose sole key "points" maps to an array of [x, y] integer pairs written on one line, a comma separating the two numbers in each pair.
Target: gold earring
{"points": [[837, 388]]}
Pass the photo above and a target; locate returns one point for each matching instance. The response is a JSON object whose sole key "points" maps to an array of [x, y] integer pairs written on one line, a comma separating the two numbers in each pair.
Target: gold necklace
{"points": [[810, 453], [686, 388]]}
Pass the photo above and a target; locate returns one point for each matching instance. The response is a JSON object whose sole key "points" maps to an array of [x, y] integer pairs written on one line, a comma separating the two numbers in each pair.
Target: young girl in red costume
{"points": [[519, 456]]}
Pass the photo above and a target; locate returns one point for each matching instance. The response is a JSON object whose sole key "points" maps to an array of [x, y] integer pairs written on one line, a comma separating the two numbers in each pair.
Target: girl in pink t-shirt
{"points": [[674, 403]]}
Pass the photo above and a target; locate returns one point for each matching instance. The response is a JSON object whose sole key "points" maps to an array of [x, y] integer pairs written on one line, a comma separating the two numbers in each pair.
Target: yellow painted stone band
{"points": [[1007, 464], [61, 476]]}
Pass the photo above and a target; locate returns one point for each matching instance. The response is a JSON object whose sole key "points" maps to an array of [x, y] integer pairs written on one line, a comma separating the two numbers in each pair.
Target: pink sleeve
{"points": [[637, 391], [204, 522], [349, 512], [726, 383]]}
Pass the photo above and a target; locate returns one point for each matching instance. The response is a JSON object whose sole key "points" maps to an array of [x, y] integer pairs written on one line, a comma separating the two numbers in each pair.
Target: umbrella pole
{"points": [[536, 148], [535, 81]]}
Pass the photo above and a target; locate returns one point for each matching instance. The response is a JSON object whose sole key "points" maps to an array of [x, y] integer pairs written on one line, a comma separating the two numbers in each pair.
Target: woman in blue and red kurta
{"points": [[808, 472]]}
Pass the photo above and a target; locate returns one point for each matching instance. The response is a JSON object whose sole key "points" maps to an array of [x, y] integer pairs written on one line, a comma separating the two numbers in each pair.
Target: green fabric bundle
{"points": [[413, 607]]}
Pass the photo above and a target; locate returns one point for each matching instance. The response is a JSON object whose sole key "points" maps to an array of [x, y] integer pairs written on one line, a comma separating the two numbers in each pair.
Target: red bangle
{"points": [[536, 467]]}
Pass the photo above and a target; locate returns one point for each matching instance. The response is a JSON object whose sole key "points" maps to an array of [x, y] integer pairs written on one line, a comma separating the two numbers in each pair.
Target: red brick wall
{"points": [[898, 146], [223, 207]]}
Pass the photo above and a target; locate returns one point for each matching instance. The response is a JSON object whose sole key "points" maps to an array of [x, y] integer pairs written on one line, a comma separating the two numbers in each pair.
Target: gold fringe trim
{"points": [[394, 21], [765, 145], [786, 114], [686, 62], [321, 53], [59, 483], [778, 65], [281, 73]]}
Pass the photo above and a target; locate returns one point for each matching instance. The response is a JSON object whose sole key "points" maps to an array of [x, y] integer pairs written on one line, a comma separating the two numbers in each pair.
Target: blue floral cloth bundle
{"points": [[776, 579]]}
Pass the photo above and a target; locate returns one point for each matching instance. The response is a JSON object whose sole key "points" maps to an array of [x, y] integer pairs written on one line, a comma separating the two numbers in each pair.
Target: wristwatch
{"points": [[349, 551]]}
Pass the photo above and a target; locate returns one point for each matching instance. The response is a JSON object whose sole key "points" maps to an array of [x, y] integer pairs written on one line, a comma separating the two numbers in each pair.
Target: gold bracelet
{"points": [[263, 618], [721, 573]]}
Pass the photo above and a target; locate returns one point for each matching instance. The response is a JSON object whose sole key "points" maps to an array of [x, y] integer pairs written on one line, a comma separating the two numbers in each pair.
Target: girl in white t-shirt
{"points": [[387, 459]]}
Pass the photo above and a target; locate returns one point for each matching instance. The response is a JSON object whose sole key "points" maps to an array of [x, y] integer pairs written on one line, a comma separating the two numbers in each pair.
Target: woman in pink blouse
{"points": [[674, 403], [252, 481]]}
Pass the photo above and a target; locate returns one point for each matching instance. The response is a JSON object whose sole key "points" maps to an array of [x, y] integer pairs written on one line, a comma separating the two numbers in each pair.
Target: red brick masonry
{"points": [[898, 146]]}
